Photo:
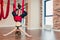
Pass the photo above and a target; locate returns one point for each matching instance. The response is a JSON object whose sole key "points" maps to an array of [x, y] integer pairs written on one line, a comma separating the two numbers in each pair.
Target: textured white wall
{"points": [[35, 14], [9, 22]]}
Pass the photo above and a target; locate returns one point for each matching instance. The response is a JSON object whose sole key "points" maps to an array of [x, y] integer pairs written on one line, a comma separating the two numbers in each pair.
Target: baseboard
{"points": [[7, 25], [27, 28], [33, 28]]}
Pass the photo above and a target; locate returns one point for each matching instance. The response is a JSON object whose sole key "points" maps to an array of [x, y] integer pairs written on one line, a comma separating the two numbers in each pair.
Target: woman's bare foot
{"points": [[4, 34]]}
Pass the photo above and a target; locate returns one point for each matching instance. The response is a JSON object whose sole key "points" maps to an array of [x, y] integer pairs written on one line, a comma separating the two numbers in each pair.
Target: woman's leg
{"points": [[24, 32], [10, 32]]}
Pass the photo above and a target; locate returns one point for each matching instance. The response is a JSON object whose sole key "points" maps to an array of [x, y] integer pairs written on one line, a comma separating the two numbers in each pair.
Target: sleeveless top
{"points": [[18, 18]]}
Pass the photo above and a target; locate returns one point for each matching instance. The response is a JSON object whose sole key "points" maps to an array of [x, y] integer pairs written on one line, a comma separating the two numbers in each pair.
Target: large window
{"points": [[48, 12]]}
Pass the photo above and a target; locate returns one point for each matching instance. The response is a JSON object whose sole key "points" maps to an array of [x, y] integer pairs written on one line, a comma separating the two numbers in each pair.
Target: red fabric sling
{"points": [[18, 18]]}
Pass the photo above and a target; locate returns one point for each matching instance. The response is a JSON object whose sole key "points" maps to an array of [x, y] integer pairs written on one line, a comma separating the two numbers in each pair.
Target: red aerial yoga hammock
{"points": [[2, 11], [14, 6], [18, 18], [0, 8], [22, 6]]}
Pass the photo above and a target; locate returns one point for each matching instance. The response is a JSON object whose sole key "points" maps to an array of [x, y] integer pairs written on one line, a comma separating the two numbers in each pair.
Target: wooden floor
{"points": [[36, 35]]}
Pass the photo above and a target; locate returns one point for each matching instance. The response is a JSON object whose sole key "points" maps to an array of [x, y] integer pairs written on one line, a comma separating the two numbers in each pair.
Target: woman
{"points": [[18, 15]]}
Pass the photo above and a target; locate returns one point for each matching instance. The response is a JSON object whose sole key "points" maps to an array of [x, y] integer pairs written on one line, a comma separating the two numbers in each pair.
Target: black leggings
{"points": [[18, 26]]}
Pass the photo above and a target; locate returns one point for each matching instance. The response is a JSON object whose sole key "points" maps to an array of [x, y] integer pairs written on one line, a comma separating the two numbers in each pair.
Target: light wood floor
{"points": [[36, 35]]}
